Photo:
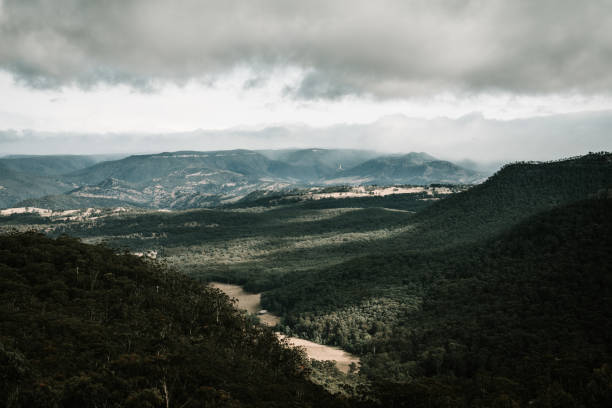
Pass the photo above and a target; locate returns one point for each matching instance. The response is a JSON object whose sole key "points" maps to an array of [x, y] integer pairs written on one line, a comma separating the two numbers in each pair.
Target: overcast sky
{"points": [[447, 76]]}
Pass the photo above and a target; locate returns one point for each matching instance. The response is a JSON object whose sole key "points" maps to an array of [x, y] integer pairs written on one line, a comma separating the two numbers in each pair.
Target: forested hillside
{"points": [[515, 192], [521, 319], [83, 327]]}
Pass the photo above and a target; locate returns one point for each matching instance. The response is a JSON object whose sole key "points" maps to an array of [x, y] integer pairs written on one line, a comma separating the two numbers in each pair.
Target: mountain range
{"points": [[191, 179]]}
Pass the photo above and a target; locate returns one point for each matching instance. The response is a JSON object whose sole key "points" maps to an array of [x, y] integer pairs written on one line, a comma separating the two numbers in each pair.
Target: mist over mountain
{"points": [[474, 137]]}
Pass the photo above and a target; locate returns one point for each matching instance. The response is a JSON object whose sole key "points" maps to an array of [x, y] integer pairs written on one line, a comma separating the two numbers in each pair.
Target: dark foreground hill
{"points": [[83, 327]]}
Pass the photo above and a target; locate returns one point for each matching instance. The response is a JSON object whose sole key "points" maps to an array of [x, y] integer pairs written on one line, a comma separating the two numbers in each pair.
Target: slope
{"points": [[513, 193], [143, 169], [84, 327], [174, 180], [523, 318]]}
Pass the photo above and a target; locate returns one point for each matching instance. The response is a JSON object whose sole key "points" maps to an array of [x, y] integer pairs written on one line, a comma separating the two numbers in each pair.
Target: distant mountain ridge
{"points": [[412, 168], [143, 168], [317, 164], [188, 179]]}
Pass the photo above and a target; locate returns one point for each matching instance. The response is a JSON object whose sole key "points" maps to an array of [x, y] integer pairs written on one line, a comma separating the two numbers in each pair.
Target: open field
{"points": [[251, 302]]}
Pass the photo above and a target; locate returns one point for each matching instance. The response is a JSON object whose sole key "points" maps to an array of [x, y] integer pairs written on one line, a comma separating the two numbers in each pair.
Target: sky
{"points": [[482, 79]]}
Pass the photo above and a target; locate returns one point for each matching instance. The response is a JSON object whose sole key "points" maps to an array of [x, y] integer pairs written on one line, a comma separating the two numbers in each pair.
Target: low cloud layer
{"points": [[388, 49], [469, 137]]}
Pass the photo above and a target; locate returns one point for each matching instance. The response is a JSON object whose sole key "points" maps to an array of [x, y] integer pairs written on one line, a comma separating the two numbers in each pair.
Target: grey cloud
{"points": [[321, 85], [470, 137], [388, 49]]}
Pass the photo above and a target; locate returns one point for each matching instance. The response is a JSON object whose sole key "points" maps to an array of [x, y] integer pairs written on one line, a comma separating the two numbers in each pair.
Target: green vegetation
{"points": [[63, 201], [497, 296], [303, 197], [524, 317], [250, 246], [514, 193], [81, 326]]}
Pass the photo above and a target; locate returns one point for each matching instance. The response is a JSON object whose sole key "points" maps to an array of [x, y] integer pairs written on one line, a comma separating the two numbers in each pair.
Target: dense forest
{"points": [[81, 326], [515, 192], [524, 318], [510, 279]]}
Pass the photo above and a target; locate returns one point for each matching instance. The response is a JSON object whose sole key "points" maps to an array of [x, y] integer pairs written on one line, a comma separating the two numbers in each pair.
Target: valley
{"points": [[437, 290], [289, 204]]}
